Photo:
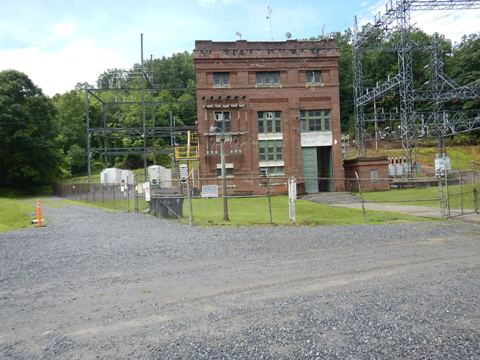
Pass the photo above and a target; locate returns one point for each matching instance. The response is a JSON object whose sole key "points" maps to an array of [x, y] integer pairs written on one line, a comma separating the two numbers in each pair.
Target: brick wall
{"points": [[243, 98], [364, 167]]}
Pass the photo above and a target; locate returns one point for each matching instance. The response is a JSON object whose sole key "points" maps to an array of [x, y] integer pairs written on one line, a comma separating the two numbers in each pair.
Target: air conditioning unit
{"points": [[269, 115]]}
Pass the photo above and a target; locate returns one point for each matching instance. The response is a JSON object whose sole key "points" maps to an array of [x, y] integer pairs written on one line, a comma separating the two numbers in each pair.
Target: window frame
{"points": [[313, 76], [270, 153], [262, 76], [312, 122], [228, 122], [221, 76], [264, 123]]}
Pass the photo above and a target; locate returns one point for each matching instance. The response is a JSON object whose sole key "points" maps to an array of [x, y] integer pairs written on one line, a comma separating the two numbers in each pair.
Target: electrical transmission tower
{"points": [[128, 90], [412, 124]]}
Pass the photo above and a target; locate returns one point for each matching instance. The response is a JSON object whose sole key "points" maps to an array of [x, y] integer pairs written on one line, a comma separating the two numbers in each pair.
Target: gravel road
{"points": [[105, 285]]}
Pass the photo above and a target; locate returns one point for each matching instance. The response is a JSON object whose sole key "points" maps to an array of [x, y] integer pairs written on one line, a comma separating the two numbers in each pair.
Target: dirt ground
{"points": [[96, 284]]}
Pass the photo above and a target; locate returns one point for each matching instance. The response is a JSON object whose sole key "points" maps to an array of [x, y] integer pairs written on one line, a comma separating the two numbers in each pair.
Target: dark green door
{"points": [[310, 169]]}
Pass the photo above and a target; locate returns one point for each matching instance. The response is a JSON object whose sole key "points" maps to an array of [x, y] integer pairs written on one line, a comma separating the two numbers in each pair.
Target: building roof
{"points": [[247, 49]]}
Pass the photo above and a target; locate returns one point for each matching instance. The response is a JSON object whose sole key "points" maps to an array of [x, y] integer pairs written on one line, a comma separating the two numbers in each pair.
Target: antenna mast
{"points": [[269, 18]]}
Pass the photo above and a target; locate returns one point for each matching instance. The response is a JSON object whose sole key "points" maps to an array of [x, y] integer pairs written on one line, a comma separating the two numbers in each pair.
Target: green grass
{"points": [[461, 156], [430, 194], [16, 213], [254, 211]]}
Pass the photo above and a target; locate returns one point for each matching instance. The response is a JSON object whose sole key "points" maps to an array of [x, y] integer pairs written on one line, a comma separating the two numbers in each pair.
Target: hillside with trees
{"points": [[44, 139]]}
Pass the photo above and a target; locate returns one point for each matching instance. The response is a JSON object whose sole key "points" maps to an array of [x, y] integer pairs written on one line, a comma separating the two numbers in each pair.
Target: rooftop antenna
{"points": [[269, 18], [239, 34]]}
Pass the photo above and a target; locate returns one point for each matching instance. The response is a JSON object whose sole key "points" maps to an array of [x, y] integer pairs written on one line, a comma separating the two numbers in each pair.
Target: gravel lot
{"points": [[96, 284]]}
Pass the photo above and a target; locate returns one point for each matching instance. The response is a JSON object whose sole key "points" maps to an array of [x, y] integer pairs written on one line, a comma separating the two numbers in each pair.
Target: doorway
{"points": [[317, 163]]}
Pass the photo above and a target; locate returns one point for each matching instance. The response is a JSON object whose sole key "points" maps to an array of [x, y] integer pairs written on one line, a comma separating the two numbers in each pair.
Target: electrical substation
{"points": [[135, 89], [410, 121]]}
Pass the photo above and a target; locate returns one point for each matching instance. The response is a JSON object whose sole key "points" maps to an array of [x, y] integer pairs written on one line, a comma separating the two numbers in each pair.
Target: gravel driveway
{"points": [[97, 284]]}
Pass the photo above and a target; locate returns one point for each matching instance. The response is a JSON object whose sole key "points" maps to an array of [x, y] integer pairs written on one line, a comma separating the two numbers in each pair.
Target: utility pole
{"points": [[224, 172], [269, 18], [89, 156], [144, 136]]}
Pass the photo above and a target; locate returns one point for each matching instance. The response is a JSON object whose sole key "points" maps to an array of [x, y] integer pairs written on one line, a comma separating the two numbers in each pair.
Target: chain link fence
{"points": [[254, 200]]}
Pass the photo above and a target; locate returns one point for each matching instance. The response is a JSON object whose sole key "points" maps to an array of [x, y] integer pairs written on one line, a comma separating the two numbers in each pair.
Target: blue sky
{"points": [[61, 42]]}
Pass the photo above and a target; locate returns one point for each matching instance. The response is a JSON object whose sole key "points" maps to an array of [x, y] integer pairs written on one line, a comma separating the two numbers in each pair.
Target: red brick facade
{"points": [[243, 97], [372, 172]]}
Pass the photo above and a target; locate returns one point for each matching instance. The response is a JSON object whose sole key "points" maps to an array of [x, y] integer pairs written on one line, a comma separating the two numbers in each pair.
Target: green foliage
{"points": [[29, 152]]}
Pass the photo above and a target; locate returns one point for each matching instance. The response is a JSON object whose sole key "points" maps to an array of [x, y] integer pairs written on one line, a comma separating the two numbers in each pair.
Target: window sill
{"points": [[271, 163], [221, 86], [320, 84], [260, 86], [270, 136]]}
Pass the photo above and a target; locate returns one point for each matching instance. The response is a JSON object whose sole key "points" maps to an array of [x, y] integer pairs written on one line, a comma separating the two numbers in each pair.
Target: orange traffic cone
{"points": [[39, 214]]}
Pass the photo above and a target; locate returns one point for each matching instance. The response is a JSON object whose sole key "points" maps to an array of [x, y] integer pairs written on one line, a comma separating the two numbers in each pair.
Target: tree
{"points": [[29, 154]]}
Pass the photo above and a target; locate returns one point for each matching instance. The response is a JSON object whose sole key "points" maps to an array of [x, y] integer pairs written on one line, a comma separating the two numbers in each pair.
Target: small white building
{"points": [[159, 175], [128, 177], [115, 176], [111, 176]]}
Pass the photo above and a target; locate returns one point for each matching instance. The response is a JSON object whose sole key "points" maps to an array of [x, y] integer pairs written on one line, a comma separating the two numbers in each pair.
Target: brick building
{"points": [[279, 103]]}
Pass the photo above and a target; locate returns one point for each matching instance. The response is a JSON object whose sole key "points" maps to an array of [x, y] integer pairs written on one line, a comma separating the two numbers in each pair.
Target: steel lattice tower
{"points": [[413, 124]]}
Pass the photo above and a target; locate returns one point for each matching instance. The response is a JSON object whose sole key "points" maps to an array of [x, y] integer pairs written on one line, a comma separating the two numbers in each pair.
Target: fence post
{"points": [[135, 197], [103, 195], [475, 192], [190, 213], [461, 191], [292, 198], [269, 198], [113, 187], [128, 196], [448, 195], [361, 196], [442, 197]]}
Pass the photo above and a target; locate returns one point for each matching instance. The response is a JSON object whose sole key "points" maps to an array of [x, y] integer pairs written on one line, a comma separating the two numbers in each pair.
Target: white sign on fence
{"points": [[146, 188], [183, 171], [292, 199], [209, 191], [442, 164]]}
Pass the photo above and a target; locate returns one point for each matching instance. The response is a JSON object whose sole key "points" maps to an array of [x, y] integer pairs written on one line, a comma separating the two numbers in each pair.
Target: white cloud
{"points": [[63, 30], [451, 23], [56, 72], [212, 3]]}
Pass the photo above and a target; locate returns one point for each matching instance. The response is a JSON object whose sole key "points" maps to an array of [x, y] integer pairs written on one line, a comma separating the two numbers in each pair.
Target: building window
{"points": [[228, 171], [313, 76], [374, 175], [268, 78], [220, 116], [272, 171], [270, 150], [221, 79], [269, 122], [315, 120]]}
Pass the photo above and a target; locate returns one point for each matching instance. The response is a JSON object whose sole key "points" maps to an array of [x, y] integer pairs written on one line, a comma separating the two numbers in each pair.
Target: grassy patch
{"points": [[461, 156], [16, 213], [254, 211], [426, 196]]}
